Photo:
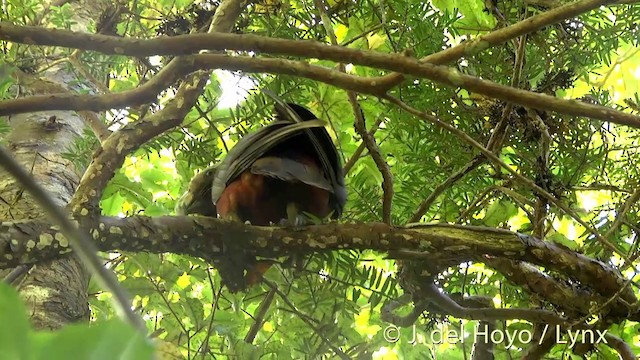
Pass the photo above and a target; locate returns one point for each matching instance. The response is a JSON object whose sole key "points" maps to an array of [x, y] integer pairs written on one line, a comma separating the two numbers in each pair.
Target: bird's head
{"points": [[197, 198]]}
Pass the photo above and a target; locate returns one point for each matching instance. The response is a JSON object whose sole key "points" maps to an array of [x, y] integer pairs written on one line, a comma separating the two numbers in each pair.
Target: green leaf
{"points": [[112, 205], [14, 325], [111, 339], [499, 212]]}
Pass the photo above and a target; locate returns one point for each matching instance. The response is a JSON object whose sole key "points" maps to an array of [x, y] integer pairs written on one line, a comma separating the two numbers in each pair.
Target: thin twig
{"points": [[356, 154], [304, 318], [447, 183], [621, 346], [622, 212], [16, 273], [258, 321], [361, 128], [376, 155]]}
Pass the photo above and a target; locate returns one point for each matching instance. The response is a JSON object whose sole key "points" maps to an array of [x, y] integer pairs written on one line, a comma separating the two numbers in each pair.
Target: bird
{"points": [[279, 174]]}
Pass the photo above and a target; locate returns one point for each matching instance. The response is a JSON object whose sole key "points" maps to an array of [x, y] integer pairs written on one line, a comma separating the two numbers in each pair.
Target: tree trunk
{"points": [[55, 292]]}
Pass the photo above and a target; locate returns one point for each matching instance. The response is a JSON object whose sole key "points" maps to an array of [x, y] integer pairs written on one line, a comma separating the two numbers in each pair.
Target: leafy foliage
{"points": [[106, 340]]}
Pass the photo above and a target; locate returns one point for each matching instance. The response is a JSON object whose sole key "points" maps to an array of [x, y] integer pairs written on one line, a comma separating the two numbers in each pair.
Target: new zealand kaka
{"points": [[284, 169]]}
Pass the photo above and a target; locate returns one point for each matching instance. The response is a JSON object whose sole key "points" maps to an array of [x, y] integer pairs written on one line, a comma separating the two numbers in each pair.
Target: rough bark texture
{"points": [[55, 291]]}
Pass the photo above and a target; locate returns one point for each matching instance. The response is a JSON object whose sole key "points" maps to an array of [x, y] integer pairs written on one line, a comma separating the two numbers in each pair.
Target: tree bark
{"points": [[55, 291]]}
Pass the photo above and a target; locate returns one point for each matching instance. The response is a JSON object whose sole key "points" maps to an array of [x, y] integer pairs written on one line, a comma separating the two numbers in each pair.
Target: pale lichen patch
{"points": [[115, 230], [454, 77], [45, 240], [537, 252], [62, 240], [101, 226], [287, 239], [332, 239], [35, 294], [456, 248], [313, 243], [122, 143], [262, 242], [30, 245], [424, 244], [95, 234], [476, 46]]}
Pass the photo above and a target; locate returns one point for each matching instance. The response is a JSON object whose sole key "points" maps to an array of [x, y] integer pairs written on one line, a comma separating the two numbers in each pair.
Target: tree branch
{"points": [[564, 295], [68, 101], [185, 44], [444, 302], [500, 36], [173, 71], [30, 241]]}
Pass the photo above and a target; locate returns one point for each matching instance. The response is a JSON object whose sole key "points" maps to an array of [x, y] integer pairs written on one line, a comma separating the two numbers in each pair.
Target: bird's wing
{"points": [[291, 170], [333, 171], [253, 146]]}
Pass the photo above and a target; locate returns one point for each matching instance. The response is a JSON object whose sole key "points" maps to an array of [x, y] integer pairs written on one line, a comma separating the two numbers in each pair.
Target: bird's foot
{"points": [[296, 223], [295, 220]]}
